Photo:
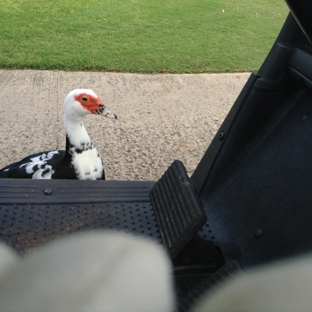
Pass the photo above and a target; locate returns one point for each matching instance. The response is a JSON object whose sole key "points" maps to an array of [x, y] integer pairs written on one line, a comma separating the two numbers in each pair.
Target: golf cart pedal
{"points": [[178, 210]]}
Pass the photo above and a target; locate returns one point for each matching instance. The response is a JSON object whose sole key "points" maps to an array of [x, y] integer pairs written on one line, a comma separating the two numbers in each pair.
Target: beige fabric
{"points": [[97, 271], [277, 287]]}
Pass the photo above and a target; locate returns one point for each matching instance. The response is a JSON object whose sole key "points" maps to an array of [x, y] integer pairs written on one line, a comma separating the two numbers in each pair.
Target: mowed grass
{"points": [[148, 36]]}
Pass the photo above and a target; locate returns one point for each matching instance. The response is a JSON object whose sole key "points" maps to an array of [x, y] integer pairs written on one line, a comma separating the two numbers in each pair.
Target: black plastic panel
{"points": [[203, 170], [302, 10], [259, 203], [13, 191]]}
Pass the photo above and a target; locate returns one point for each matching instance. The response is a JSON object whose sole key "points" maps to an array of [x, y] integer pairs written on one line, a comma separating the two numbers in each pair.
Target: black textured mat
{"points": [[178, 210], [25, 227], [33, 212]]}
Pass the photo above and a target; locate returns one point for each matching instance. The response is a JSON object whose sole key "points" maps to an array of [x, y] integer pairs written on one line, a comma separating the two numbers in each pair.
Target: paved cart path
{"points": [[160, 117]]}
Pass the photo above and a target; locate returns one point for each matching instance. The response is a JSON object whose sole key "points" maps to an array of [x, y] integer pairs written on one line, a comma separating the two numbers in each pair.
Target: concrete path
{"points": [[160, 117]]}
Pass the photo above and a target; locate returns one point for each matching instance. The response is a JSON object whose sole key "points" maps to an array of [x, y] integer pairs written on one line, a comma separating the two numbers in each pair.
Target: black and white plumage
{"points": [[80, 160]]}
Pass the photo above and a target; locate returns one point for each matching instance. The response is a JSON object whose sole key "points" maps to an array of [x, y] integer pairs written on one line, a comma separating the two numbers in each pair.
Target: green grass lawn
{"points": [[145, 36]]}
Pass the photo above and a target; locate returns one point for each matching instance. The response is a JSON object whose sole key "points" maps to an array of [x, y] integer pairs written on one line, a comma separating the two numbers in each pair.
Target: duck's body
{"points": [[80, 160], [58, 164]]}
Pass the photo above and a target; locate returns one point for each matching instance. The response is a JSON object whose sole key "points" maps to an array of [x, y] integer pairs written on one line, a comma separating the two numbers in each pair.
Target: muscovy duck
{"points": [[80, 160]]}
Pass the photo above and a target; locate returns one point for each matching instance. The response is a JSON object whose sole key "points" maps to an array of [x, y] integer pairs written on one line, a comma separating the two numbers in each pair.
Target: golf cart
{"points": [[247, 203]]}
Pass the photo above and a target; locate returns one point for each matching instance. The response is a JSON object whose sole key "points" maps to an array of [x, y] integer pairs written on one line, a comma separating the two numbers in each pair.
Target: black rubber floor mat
{"points": [[25, 227], [178, 210], [33, 212]]}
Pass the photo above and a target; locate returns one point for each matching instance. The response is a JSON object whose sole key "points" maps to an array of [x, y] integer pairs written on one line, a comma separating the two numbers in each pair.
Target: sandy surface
{"points": [[160, 117]]}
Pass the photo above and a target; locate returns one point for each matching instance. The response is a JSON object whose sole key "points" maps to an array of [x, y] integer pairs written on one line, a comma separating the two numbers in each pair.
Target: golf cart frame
{"points": [[247, 203]]}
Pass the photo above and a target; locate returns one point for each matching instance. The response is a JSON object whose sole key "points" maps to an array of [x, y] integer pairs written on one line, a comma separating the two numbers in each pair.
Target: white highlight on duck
{"points": [[38, 166]]}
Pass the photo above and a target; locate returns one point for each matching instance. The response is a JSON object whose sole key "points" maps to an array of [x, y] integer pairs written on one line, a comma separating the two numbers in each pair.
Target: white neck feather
{"points": [[76, 132]]}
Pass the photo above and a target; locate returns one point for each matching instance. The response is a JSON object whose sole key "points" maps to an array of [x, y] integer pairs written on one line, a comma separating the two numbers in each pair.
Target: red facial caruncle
{"points": [[89, 102]]}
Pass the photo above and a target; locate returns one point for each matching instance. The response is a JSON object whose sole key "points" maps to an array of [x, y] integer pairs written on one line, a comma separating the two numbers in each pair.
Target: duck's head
{"points": [[81, 102]]}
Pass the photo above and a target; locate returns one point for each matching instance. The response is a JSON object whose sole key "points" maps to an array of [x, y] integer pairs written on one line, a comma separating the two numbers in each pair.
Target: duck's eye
{"points": [[85, 99]]}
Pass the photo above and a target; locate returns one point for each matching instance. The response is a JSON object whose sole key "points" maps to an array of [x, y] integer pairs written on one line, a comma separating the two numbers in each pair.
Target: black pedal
{"points": [[178, 210]]}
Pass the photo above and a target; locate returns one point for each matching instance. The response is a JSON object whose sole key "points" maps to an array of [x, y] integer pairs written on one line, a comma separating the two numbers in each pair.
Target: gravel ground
{"points": [[160, 117]]}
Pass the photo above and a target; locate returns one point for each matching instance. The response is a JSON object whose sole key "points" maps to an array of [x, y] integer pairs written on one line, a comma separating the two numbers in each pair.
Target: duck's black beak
{"points": [[105, 112]]}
